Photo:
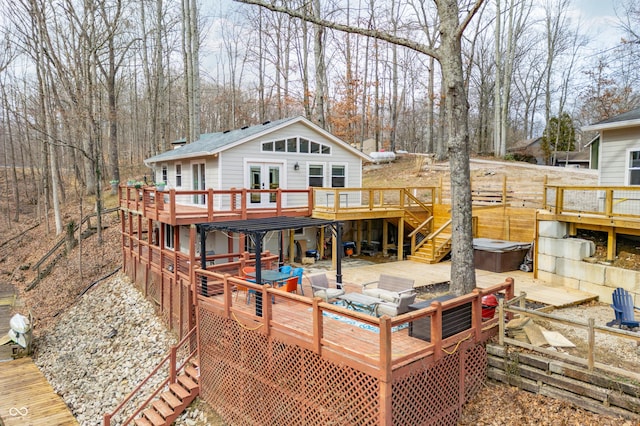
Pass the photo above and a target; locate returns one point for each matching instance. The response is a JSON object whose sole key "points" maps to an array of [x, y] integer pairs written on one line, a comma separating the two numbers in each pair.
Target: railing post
{"points": [[559, 200], [172, 364], [210, 204], [317, 326], [501, 322], [106, 420], [608, 204], [436, 331], [476, 315], [386, 372], [591, 341]]}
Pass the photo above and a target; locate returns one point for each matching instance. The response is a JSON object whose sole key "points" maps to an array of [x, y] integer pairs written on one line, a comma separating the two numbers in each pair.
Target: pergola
{"points": [[258, 228]]}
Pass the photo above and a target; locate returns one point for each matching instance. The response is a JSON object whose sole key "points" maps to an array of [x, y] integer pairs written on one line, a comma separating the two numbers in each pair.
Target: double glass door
{"points": [[264, 176]]}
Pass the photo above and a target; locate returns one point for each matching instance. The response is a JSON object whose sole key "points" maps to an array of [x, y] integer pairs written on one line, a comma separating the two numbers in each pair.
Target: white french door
{"points": [[199, 182], [264, 176]]}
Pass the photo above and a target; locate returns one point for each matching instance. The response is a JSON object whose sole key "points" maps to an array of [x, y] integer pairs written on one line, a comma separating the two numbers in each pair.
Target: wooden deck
{"points": [[27, 397]]}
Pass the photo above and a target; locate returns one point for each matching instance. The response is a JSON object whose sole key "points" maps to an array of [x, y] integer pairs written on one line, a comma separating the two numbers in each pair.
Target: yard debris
{"points": [[527, 331]]}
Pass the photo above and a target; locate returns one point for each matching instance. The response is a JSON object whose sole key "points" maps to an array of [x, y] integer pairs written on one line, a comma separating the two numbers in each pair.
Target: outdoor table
{"points": [[362, 301], [270, 276]]}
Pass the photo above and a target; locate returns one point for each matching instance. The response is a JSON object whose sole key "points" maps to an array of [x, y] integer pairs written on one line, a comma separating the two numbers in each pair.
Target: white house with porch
{"points": [[287, 154]]}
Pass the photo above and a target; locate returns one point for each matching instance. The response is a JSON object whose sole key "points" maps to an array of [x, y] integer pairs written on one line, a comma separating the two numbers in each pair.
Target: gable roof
{"points": [[524, 144], [627, 119], [213, 143]]}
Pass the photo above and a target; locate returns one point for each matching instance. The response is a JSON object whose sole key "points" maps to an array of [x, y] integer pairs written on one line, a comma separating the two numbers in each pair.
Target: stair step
{"points": [[188, 384], [154, 417], [171, 400], [141, 421], [163, 408], [192, 372], [195, 362], [179, 391]]}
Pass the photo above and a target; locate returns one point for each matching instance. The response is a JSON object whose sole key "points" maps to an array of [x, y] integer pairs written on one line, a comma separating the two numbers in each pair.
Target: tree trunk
{"points": [[463, 277]]}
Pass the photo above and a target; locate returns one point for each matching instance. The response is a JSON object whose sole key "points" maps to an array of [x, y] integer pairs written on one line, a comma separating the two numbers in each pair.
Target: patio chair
{"points": [[286, 269], [320, 287], [397, 307], [623, 309], [244, 275], [290, 285], [298, 272]]}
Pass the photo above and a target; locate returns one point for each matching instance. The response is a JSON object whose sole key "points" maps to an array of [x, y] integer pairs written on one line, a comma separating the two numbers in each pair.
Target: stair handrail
{"points": [[173, 372], [433, 235], [414, 233], [416, 200]]}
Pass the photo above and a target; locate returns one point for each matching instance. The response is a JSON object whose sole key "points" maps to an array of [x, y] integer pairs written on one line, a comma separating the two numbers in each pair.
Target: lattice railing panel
{"points": [[475, 368], [433, 395], [251, 379]]}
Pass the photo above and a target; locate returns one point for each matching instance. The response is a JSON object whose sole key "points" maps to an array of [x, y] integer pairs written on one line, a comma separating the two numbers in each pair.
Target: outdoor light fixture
{"points": [[296, 166]]}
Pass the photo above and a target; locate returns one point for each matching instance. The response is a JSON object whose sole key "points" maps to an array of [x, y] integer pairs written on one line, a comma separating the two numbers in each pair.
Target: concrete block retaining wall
{"points": [[561, 262]]}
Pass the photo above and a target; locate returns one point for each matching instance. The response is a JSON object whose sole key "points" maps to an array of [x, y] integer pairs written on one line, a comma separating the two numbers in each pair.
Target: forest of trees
{"points": [[91, 88]]}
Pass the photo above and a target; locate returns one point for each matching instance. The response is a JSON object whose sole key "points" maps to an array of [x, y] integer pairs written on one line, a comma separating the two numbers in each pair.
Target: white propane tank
{"points": [[383, 156]]}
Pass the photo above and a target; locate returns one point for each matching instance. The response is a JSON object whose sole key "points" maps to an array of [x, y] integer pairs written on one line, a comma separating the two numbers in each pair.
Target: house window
{"points": [[165, 174], [169, 236], [304, 145], [178, 175], [316, 175], [280, 146], [338, 176], [634, 167], [292, 145], [267, 146]]}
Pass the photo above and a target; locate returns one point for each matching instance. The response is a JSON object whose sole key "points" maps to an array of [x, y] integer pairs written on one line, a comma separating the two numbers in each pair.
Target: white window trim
{"points": [[346, 173], [176, 174], [627, 166], [324, 172], [167, 227]]}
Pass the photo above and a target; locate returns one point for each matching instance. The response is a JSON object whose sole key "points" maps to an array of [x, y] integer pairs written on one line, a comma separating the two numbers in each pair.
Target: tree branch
{"points": [[463, 25], [380, 35]]}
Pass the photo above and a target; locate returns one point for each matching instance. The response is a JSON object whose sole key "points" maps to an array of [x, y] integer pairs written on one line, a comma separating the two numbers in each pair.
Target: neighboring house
{"points": [[529, 148], [577, 159], [286, 154], [594, 151], [619, 149]]}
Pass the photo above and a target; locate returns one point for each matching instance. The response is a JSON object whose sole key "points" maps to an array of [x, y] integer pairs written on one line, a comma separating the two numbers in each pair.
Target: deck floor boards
{"points": [[27, 397]]}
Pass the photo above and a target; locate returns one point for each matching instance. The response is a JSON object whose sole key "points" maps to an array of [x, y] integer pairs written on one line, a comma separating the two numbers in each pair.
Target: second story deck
{"points": [[189, 207]]}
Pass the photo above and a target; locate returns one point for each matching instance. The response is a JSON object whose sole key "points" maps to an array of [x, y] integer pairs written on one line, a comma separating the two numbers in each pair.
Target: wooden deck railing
{"points": [[169, 368], [596, 201], [310, 334], [335, 200], [179, 206]]}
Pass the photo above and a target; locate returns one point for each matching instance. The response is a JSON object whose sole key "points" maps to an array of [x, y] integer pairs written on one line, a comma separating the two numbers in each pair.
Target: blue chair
{"points": [[623, 309], [286, 269], [297, 272]]}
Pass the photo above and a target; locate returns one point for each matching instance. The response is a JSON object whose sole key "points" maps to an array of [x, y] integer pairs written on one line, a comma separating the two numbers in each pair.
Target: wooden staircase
{"points": [[180, 386], [173, 401], [433, 250]]}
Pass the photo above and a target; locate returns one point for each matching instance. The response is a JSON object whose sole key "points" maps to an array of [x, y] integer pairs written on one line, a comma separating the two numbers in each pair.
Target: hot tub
{"points": [[498, 255]]}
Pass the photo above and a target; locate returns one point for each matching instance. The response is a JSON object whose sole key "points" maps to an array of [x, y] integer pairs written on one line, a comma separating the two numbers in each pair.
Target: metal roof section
{"points": [[212, 143], [627, 119]]}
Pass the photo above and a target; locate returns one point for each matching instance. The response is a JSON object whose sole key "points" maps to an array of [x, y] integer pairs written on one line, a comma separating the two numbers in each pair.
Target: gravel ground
{"points": [[102, 347]]}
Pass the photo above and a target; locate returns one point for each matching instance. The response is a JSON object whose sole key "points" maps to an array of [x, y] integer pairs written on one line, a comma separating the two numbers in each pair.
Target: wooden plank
{"points": [[27, 397]]}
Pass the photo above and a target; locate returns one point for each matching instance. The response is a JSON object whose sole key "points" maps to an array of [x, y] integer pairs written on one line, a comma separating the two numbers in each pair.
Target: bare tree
{"points": [[449, 54]]}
